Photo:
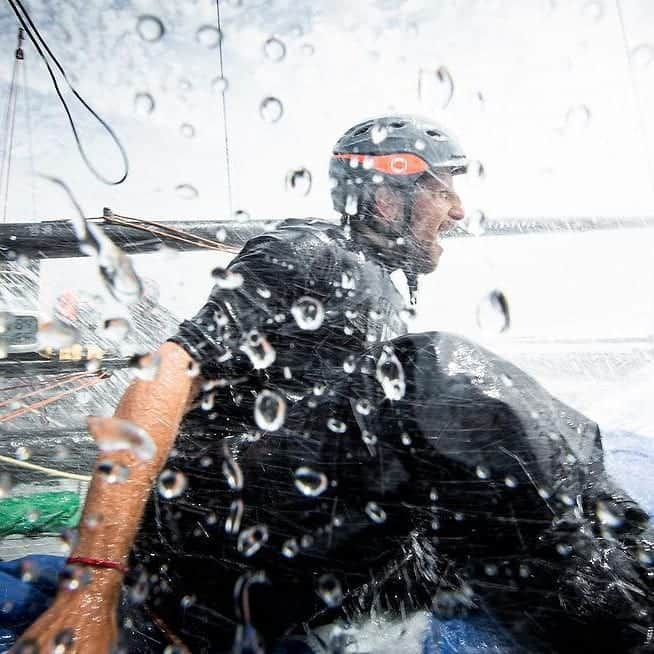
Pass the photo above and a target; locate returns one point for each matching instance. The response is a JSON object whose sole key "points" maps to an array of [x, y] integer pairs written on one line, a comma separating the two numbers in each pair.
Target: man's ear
{"points": [[389, 204]]}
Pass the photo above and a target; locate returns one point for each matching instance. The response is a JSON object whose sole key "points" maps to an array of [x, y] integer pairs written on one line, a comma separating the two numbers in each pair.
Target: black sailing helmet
{"points": [[395, 150]]}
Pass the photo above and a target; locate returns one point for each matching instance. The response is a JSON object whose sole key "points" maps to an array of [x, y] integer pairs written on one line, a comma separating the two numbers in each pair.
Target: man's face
{"points": [[435, 207]]}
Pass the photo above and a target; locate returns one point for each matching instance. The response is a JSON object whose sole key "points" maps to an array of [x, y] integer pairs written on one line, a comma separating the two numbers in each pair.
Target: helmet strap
{"points": [[409, 267]]}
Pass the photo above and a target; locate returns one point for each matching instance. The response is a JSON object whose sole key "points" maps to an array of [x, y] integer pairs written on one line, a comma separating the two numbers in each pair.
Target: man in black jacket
{"points": [[332, 465]]}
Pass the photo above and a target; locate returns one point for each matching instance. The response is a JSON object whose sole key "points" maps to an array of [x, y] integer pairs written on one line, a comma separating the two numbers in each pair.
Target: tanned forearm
{"points": [[113, 511]]}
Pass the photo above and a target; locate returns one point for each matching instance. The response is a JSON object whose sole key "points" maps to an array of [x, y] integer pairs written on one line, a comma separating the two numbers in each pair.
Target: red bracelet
{"points": [[96, 563]]}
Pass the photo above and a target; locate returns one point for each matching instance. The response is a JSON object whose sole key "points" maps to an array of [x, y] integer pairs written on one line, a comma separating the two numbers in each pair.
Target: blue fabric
{"points": [[629, 460], [22, 601]]}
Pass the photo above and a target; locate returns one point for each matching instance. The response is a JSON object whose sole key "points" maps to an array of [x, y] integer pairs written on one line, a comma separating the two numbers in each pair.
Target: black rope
{"points": [[41, 46], [224, 104]]}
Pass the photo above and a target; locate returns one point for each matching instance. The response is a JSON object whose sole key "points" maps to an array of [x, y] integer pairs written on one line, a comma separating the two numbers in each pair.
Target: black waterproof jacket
{"points": [[410, 471]]}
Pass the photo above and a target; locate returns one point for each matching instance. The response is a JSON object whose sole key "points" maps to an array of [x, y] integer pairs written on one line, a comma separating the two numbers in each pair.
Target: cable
{"points": [[224, 104], [38, 41], [10, 148], [47, 471], [8, 136], [639, 109], [29, 137]]}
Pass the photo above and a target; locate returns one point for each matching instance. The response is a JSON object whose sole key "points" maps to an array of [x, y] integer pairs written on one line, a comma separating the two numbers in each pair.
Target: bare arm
{"points": [[113, 512]]}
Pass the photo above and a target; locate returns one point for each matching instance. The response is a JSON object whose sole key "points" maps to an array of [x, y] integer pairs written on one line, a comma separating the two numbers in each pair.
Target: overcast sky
{"points": [[544, 94]]}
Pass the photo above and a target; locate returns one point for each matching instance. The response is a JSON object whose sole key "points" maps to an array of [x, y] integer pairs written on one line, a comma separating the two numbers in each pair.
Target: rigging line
{"points": [[35, 38], [10, 151], [50, 400], [30, 145], [634, 90], [48, 387], [230, 204], [52, 472], [6, 154], [168, 232]]}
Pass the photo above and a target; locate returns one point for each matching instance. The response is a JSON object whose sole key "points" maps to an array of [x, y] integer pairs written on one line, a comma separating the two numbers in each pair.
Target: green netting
{"points": [[39, 513]]}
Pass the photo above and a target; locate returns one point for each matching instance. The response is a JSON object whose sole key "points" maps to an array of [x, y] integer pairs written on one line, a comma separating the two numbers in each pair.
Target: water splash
{"points": [[310, 482]]}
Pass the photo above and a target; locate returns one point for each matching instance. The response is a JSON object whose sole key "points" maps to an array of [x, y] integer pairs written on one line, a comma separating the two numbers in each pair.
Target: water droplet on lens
{"points": [[271, 109], [57, 334], [115, 329], [378, 133], [330, 591], [493, 313], [29, 571], [510, 481], [187, 130], [251, 540], [350, 364], [5, 484], [220, 84], [363, 407], [74, 577], [406, 439], [642, 56], [171, 484], [23, 453], [193, 369], [436, 87], [368, 438], [607, 516], [337, 426], [564, 549], [308, 313], [269, 410], [299, 181], [482, 472], [475, 223], [232, 470], [150, 28], [63, 642], [375, 512], [309, 482], [221, 234], [146, 366], [241, 215], [290, 548], [143, 104], [27, 646], [420, 144], [593, 10], [475, 171], [208, 36], [390, 374], [112, 473], [351, 204], [233, 521], [506, 380], [139, 589], [274, 49], [258, 350], [114, 434], [186, 191], [577, 118], [490, 569], [227, 279]]}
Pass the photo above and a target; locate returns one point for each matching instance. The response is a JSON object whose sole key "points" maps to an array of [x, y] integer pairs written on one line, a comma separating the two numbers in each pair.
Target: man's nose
{"points": [[456, 213]]}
